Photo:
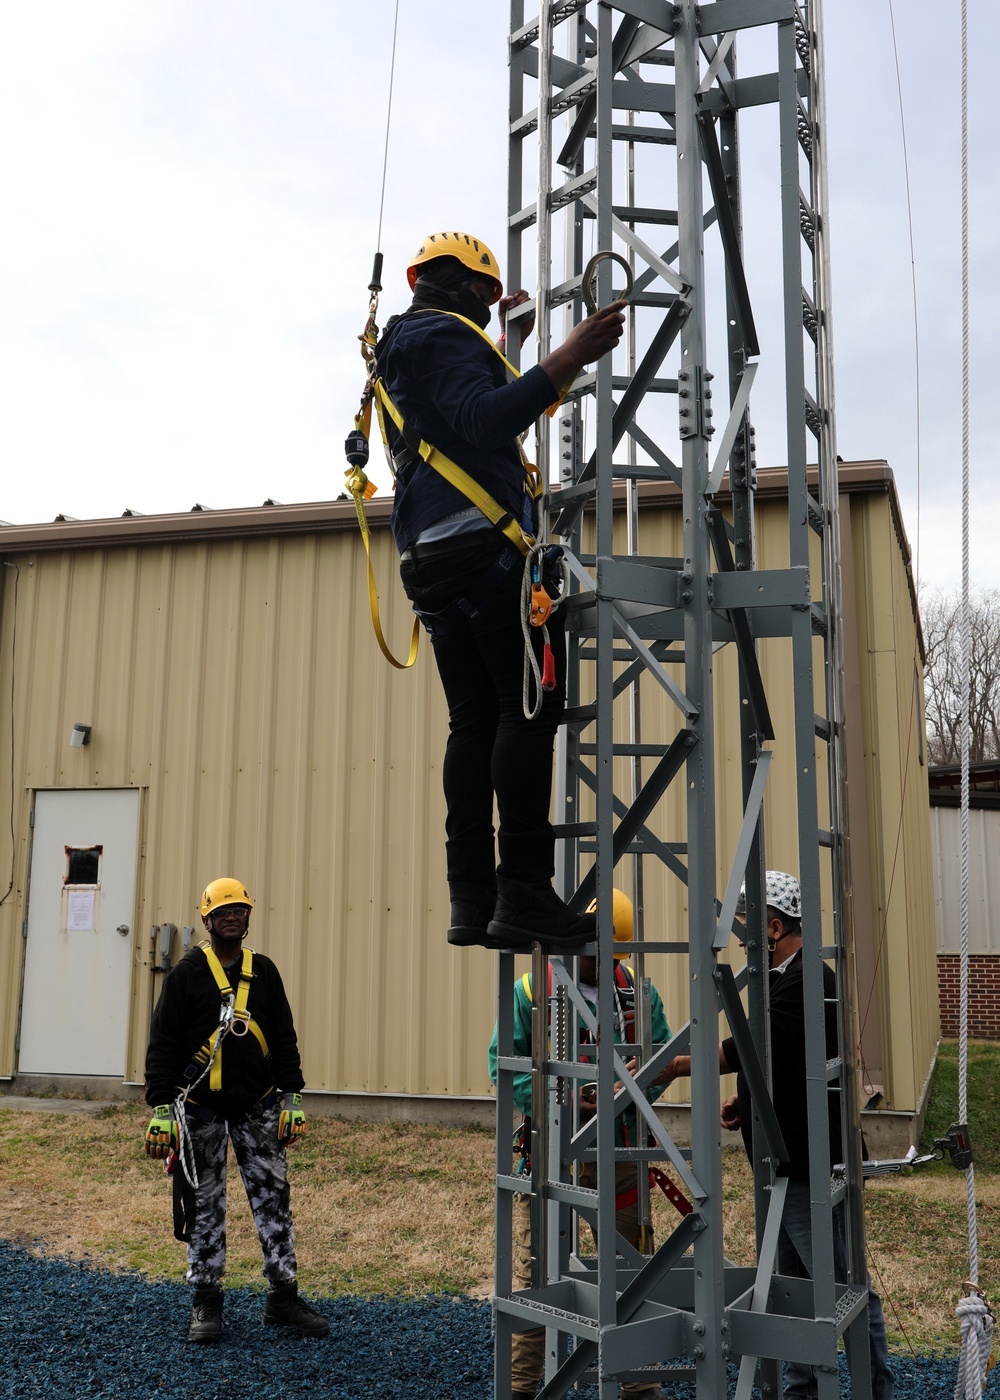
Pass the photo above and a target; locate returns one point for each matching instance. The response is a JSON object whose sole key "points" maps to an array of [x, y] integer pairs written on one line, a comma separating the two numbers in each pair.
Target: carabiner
{"points": [[590, 271]]}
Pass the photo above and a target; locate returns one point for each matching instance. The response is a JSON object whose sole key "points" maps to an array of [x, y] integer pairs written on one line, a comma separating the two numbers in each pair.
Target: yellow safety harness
{"points": [[362, 489], [235, 1020]]}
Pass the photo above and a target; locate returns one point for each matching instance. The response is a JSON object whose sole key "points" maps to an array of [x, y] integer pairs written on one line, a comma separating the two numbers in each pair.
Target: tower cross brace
{"points": [[625, 137]]}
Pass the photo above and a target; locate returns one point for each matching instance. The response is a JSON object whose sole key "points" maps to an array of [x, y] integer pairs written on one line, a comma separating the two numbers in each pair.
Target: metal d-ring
{"points": [[587, 281]]}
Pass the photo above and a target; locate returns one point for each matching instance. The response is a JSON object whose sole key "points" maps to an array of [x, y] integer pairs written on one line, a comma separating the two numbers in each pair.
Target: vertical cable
{"points": [[388, 119], [966, 660], [973, 1310], [913, 277]]}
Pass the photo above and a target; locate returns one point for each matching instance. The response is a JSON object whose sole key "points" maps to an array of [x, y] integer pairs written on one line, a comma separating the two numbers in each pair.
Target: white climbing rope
{"points": [[976, 1321], [185, 1145], [531, 666], [974, 1313]]}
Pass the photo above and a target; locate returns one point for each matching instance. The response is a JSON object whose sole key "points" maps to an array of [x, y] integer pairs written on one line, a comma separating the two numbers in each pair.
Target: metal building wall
{"points": [[984, 878], [235, 681], [901, 935], [237, 684]]}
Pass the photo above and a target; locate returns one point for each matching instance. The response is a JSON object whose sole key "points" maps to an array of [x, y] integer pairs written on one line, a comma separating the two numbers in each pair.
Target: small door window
{"points": [[83, 865]]}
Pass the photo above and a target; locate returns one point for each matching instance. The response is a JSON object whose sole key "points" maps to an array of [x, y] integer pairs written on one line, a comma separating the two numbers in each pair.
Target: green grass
{"points": [[983, 1091]]}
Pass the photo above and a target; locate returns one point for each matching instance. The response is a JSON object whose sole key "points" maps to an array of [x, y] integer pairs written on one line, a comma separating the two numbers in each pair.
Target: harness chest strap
{"points": [[623, 983], [553, 408], [240, 1013], [451, 471], [454, 474]]}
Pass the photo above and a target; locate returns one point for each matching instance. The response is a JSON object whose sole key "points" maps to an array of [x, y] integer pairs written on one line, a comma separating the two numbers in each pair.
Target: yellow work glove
{"points": [[162, 1135], [292, 1122]]}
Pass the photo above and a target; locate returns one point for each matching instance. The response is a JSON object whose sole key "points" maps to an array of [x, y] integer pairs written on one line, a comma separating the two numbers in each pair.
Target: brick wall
{"points": [[984, 995]]}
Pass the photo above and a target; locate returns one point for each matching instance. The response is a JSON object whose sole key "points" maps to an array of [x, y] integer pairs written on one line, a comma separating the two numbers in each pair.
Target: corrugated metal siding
{"points": [[984, 878], [905, 985], [237, 683]]}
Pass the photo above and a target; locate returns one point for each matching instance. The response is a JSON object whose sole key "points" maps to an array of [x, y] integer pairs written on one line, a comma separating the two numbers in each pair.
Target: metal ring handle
{"points": [[587, 281]]}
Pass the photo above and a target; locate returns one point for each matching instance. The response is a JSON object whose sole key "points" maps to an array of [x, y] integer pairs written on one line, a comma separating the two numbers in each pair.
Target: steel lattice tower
{"points": [[624, 121]]}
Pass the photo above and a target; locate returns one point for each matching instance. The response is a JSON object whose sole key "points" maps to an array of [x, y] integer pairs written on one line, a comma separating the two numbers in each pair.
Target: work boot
{"points": [[206, 1314], [472, 908], [470, 928], [535, 912], [284, 1308]]}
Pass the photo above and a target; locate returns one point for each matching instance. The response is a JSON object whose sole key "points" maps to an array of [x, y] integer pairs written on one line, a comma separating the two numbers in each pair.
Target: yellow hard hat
{"points": [[223, 891], [473, 252], [622, 916]]}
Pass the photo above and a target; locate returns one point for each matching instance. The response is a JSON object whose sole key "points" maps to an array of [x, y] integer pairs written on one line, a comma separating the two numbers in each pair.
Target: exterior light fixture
{"points": [[80, 736]]}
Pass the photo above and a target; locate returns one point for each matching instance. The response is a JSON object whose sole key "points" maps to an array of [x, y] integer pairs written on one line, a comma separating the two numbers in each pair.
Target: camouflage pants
{"points": [[263, 1167]]}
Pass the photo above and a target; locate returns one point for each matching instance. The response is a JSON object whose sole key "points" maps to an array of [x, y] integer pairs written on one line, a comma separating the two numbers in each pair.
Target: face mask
{"points": [[445, 287]]}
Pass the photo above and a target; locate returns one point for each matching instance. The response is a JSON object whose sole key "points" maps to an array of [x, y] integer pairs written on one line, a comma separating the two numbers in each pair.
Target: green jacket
{"points": [[522, 1046]]}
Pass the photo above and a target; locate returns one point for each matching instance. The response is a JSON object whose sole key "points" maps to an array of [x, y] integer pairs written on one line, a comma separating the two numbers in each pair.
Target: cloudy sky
{"points": [[191, 200]]}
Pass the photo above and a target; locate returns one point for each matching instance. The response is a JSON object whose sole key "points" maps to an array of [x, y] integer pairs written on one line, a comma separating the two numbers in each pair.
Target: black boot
{"points": [[284, 1308], [472, 909], [535, 912], [206, 1314]]}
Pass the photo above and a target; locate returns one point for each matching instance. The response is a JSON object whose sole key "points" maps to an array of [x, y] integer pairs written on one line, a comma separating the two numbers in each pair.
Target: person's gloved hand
{"points": [[292, 1122], [162, 1135]]}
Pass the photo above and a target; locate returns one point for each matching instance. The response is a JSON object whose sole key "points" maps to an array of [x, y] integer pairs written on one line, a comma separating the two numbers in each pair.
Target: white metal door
{"points": [[78, 956]]}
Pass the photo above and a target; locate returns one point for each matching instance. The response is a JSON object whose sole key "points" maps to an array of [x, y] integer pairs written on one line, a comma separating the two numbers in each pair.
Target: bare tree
{"points": [[941, 619]]}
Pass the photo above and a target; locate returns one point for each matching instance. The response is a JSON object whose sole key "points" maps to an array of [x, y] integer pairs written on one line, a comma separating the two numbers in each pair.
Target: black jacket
{"points": [[186, 1015], [452, 389], [788, 1069]]}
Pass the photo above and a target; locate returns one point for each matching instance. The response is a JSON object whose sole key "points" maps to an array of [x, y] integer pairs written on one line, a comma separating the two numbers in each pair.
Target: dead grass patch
{"points": [[405, 1209], [386, 1208]]}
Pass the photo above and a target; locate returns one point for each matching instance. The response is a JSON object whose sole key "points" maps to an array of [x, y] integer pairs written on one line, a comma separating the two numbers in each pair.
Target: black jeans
{"points": [[492, 748]]}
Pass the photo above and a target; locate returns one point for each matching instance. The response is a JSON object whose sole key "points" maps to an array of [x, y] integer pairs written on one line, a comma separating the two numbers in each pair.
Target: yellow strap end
{"points": [[357, 483], [554, 408]]}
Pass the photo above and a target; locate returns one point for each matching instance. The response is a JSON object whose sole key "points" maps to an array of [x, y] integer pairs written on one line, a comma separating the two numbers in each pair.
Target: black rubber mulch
{"points": [[68, 1329]]}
